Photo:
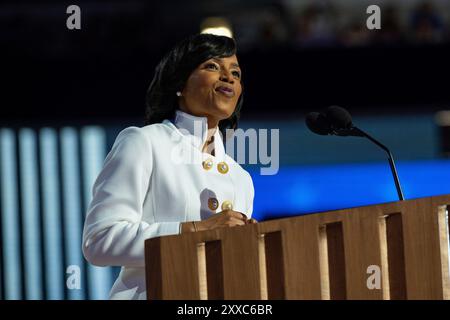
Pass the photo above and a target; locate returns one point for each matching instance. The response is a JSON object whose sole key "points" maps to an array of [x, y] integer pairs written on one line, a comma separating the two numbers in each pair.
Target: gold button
{"points": [[222, 167], [207, 164], [227, 205], [213, 204]]}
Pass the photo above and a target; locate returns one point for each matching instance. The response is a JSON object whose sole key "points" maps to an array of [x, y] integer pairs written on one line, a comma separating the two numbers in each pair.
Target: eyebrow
{"points": [[234, 64]]}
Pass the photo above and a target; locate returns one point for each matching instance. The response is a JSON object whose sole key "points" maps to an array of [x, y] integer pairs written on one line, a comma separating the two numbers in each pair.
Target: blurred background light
{"points": [[218, 26]]}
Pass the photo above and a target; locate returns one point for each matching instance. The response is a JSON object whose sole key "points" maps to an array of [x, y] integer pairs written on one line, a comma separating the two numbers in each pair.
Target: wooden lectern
{"points": [[395, 250]]}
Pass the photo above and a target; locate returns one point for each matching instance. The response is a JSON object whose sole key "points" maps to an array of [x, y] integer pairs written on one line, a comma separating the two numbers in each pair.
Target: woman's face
{"points": [[213, 89]]}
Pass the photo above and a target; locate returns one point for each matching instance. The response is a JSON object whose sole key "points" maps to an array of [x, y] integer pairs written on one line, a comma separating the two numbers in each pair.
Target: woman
{"points": [[172, 176]]}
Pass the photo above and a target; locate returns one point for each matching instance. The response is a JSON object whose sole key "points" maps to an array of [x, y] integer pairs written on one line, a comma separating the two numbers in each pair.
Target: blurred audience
{"points": [[391, 30], [427, 25], [317, 25], [141, 26], [325, 23]]}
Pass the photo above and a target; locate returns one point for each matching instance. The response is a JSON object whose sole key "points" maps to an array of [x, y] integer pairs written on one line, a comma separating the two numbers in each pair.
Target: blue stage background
{"points": [[314, 188]]}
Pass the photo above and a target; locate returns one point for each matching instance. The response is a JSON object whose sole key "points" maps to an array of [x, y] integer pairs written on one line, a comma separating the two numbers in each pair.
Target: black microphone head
{"points": [[339, 118], [318, 123]]}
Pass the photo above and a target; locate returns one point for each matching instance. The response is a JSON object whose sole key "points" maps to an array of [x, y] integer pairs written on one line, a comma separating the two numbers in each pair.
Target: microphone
{"points": [[338, 121], [318, 123]]}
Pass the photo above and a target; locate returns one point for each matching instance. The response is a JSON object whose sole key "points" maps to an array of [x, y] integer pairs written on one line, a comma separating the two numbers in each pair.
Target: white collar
{"points": [[196, 129]]}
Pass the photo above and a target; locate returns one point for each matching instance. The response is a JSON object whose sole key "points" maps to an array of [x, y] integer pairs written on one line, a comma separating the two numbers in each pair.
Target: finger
{"points": [[235, 214], [250, 221], [236, 222]]}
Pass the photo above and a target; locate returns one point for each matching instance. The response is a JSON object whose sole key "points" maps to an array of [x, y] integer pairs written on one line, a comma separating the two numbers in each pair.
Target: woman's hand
{"points": [[226, 218]]}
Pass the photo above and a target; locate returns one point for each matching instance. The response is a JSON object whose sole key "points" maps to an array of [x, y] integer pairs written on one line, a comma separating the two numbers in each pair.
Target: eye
{"points": [[212, 66], [237, 74]]}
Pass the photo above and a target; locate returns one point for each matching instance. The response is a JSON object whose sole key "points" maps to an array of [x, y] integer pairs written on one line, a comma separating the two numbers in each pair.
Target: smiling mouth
{"points": [[228, 92]]}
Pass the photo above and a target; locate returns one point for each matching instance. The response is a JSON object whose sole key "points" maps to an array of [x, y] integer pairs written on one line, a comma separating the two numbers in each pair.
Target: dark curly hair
{"points": [[175, 68]]}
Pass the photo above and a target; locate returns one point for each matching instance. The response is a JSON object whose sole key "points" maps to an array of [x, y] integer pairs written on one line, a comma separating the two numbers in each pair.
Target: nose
{"points": [[226, 76]]}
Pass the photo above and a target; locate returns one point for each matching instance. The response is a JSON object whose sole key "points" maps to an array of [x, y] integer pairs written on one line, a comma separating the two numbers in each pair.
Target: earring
{"points": [[178, 93]]}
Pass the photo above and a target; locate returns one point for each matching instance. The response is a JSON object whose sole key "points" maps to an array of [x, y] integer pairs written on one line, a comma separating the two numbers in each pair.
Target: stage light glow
{"points": [[218, 26], [93, 141], [72, 210], [10, 216], [30, 213], [52, 233], [443, 118]]}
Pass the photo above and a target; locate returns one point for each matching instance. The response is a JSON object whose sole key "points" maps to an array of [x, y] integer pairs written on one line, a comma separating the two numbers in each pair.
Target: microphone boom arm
{"points": [[354, 131]]}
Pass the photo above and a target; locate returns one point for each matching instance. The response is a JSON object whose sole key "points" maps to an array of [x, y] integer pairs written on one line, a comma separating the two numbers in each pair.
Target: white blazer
{"points": [[154, 178]]}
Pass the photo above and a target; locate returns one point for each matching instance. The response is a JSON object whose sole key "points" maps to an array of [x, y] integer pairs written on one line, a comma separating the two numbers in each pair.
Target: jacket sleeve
{"points": [[114, 232]]}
